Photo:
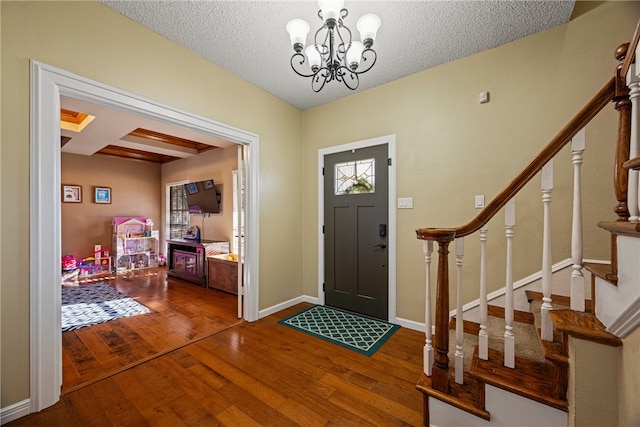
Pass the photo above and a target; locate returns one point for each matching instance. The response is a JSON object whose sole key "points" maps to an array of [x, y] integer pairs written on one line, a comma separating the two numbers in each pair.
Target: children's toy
{"points": [[135, 245], [69, 263]]}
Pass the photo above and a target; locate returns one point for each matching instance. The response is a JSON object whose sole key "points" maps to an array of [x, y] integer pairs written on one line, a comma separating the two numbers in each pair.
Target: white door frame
{"points": [[391, 141], [47, 85]]}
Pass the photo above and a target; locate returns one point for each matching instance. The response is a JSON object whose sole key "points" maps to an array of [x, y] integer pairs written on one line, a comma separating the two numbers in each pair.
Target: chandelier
{"points": [[333, 54]]}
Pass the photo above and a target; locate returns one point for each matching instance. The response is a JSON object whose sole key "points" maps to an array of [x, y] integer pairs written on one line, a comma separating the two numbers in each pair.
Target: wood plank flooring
{"points": [[181, 312], [254, 374]]}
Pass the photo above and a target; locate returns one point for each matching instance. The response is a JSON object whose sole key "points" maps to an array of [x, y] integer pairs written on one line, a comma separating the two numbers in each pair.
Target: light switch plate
{"points": [[405, 202]]}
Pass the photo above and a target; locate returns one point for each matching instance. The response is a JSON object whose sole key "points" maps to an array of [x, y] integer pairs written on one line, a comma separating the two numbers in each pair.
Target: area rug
{"points": [[87, 305], [362, 334]]}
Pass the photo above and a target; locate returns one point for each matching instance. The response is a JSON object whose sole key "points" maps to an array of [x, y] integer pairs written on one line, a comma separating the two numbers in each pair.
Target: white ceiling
{"points": [[249, 38]]}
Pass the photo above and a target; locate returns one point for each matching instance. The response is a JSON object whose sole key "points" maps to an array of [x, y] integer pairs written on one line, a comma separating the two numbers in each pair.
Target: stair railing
{"points": [[437, 349], [629, 72]]}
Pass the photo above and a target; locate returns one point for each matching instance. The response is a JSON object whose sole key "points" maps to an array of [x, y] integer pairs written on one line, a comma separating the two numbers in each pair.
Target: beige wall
{"points": [[93, 41], [135, 191], [629, 381], [214, 164], [450, 147], [593, 384]]}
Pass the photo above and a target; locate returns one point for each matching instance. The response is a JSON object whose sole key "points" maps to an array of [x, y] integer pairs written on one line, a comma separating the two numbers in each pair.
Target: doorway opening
{"points": [[47, 85]]}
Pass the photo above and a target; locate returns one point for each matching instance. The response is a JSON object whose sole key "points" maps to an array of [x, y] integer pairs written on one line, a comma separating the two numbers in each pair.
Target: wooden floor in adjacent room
{"points": [[254, 374], [181, 312]]}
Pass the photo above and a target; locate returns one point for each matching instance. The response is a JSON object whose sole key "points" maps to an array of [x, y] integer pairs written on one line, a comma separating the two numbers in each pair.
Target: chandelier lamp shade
{"points": [[334, 55]]}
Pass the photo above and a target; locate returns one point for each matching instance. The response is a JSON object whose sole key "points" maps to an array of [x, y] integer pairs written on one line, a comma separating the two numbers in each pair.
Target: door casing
{"points": [[391, 227], [47, 84]]}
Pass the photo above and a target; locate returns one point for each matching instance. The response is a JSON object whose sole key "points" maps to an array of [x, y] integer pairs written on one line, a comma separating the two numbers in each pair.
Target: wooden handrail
{"points": [[580, 120], [631, 51]]}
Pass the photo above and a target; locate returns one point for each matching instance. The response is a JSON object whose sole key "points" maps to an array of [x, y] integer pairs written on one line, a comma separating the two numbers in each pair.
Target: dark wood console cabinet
{"points": [[187, 259]]}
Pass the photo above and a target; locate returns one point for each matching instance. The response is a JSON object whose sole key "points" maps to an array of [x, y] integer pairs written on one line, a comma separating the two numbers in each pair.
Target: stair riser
{"points": [[507, 409]]}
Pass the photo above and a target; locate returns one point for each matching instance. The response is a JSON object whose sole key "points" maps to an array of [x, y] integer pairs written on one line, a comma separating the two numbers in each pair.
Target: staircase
{"points": [[482, 369]]}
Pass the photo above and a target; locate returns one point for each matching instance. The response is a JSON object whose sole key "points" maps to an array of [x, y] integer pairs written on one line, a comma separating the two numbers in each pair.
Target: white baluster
{"points": [[459, 355], [633, 82], [547, 187], [509, 338], [483, 337], [427, 248], [577, 278]]}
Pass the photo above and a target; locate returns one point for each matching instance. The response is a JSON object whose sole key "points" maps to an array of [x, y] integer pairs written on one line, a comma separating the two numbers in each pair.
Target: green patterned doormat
{"points": [[362, 334]]}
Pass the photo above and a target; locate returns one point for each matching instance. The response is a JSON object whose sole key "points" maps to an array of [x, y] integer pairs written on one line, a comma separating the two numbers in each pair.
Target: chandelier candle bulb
{"points": [[298, 30], [333, 55], [330, 10], [313, 56], [354, 55], [368, 26]]}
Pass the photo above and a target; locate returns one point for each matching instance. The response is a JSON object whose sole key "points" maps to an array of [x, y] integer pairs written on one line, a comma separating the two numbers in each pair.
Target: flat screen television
{"points": [[202, 197]]}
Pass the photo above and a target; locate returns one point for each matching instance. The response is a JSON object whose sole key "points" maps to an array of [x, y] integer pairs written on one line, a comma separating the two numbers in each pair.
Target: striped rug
{"points": [[87, 305]]}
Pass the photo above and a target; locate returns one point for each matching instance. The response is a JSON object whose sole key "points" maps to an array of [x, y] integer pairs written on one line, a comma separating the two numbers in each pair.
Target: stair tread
{"points": [[467, 397], [603, 271], [621, 227], [518, 316], [554, 350], [583, 325], [559, 299], [471, 327], [530, 379]]}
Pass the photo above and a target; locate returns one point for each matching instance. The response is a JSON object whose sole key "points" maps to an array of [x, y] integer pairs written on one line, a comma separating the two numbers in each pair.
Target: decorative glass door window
{"points": [[355, 177]]}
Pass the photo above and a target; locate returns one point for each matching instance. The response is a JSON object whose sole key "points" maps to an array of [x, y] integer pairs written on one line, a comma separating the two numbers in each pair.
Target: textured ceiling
{"points": [[249, 38]]}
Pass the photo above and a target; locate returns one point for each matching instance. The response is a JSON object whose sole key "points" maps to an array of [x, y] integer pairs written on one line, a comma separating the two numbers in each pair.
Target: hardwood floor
{"points": [[181, 312], [254, 374]]}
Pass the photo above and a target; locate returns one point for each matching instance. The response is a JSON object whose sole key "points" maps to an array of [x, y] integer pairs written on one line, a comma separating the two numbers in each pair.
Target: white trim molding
{"points": [[627, 322], [47, 85], [287, 304], [15, 411]]}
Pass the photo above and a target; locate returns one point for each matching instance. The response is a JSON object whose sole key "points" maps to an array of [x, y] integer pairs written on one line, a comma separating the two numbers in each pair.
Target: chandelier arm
{"points": [[322, 47], [321, 77], [369, 57], [348, 77], [342, 46], [298, 58]]}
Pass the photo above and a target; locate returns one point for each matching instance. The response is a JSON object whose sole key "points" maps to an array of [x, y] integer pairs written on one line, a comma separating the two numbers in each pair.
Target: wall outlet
{"points": [[405, 202], [479, 202]]}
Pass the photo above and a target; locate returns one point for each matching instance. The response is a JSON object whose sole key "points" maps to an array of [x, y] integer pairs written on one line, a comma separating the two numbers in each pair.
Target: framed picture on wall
{"points": [[208, 184], [192, 188], [102, 194], [72, 193]]}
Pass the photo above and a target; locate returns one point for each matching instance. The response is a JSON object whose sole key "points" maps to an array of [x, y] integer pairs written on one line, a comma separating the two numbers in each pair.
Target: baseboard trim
{"points": [[627, 322], [410, 324], [15, 411], [418, 326], [286, 304]]}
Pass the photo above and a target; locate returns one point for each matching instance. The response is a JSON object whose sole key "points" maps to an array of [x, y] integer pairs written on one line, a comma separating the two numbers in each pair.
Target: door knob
{"points": [[381, 245]]}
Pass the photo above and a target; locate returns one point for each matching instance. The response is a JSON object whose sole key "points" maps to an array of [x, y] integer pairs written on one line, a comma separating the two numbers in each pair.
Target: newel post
{"points": [[623, 106], [440, 371]]}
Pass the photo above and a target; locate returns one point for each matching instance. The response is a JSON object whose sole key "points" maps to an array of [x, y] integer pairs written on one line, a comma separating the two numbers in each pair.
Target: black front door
{"points": [[356, 217]]}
